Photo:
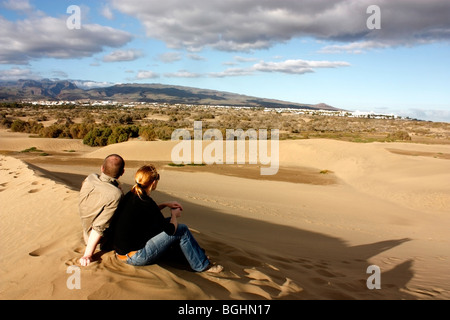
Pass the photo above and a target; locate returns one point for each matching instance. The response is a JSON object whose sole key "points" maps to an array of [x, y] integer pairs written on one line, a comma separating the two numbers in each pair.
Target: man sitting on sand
{"points": [[99, 198]]}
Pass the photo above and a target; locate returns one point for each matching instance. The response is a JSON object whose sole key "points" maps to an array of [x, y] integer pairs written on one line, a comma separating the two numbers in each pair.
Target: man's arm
{"points": [[99, 226], [94, 239]]}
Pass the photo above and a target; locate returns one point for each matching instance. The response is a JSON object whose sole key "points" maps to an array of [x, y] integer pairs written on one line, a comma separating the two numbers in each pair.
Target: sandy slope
{"points": [[276, 239]]}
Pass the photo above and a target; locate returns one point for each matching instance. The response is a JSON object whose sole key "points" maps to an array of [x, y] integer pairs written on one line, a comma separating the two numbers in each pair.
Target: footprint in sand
{"points": [[72, 262], [45, 249], [307, 266], [319, 281], [325, 273], [36, 253], [34, 191], [244, 260], [78, 250]]}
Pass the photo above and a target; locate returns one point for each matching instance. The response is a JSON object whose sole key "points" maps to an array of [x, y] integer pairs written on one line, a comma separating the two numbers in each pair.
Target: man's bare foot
{"points": [[214, 268]]}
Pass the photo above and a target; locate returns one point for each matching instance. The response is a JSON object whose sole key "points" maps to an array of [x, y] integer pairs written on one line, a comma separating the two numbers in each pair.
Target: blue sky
{"points": [[301, 51]]}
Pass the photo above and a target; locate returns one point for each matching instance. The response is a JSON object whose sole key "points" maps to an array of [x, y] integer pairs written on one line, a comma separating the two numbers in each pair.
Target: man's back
{"points": [[99, 198]]}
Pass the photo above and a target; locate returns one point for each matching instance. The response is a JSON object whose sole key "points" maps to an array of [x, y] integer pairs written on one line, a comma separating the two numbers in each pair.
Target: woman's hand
{"points": [[172, 205], [176, 212]]}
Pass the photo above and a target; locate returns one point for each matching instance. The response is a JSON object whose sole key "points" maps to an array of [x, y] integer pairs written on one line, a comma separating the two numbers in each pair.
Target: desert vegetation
{"points": [[108, 124]]}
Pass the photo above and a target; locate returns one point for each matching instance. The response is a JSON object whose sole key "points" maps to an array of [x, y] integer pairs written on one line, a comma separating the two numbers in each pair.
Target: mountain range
{"points": [[68, 90]]}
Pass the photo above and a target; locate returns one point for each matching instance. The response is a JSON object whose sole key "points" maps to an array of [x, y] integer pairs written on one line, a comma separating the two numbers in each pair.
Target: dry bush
{"points": [[399, 136], [290, 124]]}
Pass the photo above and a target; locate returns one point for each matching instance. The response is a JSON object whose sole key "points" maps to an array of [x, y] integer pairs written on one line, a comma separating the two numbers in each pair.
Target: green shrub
{"points": [[100, 137], [119, 134], [176, 165], [97, 137], [32, 149]]}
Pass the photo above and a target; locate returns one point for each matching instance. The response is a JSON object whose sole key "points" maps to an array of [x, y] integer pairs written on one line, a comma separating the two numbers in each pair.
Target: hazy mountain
{"points": [[31, 90], [38, 90]]}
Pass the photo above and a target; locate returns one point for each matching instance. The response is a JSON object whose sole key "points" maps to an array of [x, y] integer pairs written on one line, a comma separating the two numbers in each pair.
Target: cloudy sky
{"points": [[371, 55]]}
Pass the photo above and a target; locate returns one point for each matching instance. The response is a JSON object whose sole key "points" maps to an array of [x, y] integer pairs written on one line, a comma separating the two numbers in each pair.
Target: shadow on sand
{"points": [[261, 260]]}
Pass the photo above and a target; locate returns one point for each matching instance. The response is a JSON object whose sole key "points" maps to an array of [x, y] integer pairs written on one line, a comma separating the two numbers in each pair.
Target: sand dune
{"points": [[22, 141], [416, 182], [276, 239]]}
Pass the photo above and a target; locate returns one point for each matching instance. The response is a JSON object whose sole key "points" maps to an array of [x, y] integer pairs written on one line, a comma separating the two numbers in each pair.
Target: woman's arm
{"points": [[175, 213], [175, 210], [171, 205]]}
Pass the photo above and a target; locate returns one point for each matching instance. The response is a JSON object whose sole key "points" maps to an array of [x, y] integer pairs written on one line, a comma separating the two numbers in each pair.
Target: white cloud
{"points": [[196, 57], [427, 114], [15, 74], [18, 5], [236, 25], [142, 75], [28, 39], [183, 74], [107, 12], [354, 47], [239, 59], [229, 63], [297, 66], [170, 57], [244, 59], [232, 72], [123, 55], [60, 74], [83, 84]]}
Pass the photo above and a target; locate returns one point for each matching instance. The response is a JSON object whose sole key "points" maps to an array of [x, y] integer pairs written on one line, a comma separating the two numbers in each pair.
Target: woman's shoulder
{"points": [[132, 198]]}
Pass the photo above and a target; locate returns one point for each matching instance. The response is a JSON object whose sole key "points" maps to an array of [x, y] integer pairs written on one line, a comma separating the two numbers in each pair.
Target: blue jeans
{"points": [[157, 245]]}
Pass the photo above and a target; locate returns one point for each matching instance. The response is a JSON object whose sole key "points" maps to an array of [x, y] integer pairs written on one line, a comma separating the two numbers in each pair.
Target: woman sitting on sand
{"points": [[142, 234]]}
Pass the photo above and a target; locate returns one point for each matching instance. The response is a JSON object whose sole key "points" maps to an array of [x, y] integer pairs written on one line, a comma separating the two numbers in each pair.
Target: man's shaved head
{"points": [[113, 166]]}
